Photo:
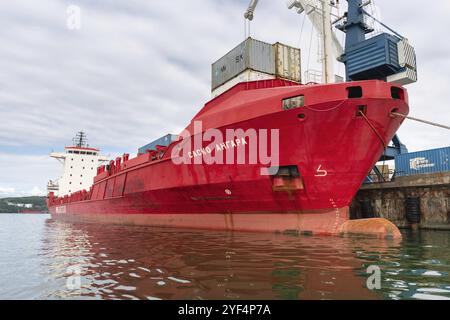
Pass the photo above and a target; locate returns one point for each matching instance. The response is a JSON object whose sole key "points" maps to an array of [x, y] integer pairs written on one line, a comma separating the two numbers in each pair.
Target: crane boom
{"points": [[251, 10]]}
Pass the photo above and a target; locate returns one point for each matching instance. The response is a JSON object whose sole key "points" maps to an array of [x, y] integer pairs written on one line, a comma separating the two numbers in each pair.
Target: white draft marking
{"points": [[321, 172]]}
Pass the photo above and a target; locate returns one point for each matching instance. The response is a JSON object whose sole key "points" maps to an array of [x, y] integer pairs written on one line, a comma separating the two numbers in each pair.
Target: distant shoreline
{"points": [[27, 205]]}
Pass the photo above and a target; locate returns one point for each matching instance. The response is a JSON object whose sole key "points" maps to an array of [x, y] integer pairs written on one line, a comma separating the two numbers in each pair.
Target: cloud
{"points": [[26, 174], [6, 191], [12, 192], [36, 191], [140, 69]]}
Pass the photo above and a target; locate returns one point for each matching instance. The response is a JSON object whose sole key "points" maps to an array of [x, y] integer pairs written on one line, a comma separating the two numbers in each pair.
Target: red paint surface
{"points": [[331, 137]]}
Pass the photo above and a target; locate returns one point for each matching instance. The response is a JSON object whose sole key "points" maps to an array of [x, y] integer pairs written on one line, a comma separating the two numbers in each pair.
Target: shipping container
{"points": [[287, 62], [246, 76], [164, 141], [428, 161], [250, 54]]}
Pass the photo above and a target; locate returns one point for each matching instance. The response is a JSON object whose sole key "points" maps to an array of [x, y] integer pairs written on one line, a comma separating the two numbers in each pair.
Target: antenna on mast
{"points": [[80, 140]]}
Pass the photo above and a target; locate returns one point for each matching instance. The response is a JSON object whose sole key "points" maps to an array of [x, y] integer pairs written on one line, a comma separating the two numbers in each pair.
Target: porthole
{"points": [[301, 117], [361, 111]]}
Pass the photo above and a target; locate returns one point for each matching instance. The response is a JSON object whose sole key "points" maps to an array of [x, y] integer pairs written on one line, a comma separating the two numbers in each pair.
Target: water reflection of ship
{"points": [[32, 211], [141, 262]]}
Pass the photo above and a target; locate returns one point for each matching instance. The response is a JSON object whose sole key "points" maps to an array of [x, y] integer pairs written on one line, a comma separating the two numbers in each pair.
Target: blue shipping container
{"points": [[428, 161], [164, 141]]}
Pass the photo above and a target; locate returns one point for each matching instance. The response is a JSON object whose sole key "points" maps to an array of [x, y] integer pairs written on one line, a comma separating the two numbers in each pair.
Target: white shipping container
{"points": [[287, 62], [246, 76]]}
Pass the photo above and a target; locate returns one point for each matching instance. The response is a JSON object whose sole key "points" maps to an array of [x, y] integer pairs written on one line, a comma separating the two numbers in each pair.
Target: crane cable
{"points": [[310, 45], [301, 31], [421, 120]]}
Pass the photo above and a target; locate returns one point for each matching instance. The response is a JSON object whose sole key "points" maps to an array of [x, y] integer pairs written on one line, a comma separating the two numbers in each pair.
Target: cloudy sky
{"points": [[138, 69]]}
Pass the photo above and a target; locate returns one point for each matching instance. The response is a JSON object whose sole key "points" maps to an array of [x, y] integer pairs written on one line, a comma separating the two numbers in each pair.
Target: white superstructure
{"points": [[79, 167]]}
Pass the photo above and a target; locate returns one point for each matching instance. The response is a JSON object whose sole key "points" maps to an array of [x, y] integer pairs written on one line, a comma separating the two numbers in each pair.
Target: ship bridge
{"points": [[80, 164]]}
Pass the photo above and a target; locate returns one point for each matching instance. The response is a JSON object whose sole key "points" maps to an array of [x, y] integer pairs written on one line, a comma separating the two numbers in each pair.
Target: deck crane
{"points": [[383, 56]]}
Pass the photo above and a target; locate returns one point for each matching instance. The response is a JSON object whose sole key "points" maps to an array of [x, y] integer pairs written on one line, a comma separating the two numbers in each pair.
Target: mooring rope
{"points": [[374, 129], [421, 120]]}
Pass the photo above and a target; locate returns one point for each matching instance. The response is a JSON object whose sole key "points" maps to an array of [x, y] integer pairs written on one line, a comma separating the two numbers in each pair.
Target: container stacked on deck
{"points": [[254, 60], [163, 141]]}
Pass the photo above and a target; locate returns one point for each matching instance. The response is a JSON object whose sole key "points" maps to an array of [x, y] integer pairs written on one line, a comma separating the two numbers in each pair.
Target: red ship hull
{"points": [[334, 141]]}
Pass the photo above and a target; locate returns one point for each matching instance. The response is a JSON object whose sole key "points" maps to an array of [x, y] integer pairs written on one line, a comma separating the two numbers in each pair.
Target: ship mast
{"points": [[327, 61], [80, 140], [319, 13]]}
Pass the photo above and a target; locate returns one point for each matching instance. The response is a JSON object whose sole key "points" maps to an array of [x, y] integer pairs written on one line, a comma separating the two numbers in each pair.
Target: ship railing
{"points": [[386, 176], [52, 186], [313, 76]]}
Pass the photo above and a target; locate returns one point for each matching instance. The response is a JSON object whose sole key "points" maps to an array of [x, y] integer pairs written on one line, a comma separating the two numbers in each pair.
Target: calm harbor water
{"points": [[41, 259]]}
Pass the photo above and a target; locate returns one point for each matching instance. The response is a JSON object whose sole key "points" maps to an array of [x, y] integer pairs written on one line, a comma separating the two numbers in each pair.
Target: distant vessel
{"points": [[329, 138]]}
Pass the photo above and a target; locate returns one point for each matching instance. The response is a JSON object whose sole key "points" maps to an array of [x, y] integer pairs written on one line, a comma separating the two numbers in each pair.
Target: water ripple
{"points": [[45, 259]]}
